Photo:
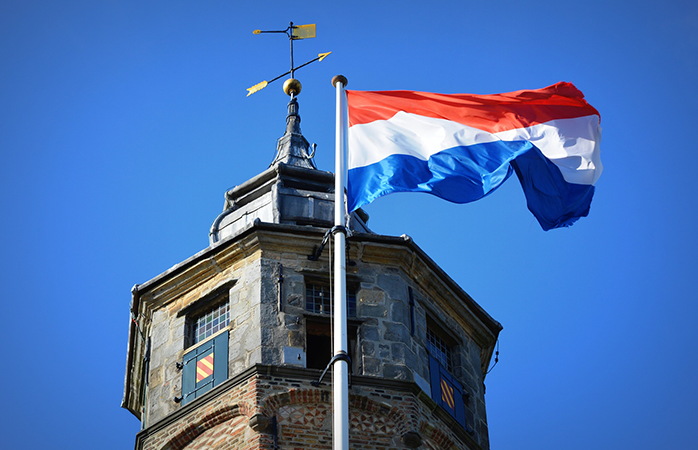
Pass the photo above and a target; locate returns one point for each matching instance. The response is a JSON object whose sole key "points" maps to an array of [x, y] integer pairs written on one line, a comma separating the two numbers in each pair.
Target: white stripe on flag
{"points": [[571, 144]]}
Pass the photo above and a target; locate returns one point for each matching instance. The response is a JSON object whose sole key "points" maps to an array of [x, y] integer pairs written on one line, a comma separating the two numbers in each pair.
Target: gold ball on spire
{"points": [[292, 86]]}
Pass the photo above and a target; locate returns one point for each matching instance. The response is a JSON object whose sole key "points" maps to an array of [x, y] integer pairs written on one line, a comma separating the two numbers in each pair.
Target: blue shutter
{"points": [[220, 368], [189, 376], [194, 386], [446, 391]]}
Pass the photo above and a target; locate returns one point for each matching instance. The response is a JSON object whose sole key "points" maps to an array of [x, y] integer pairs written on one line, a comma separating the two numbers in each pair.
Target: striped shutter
{"points": [[205, 367], [446, 391]]}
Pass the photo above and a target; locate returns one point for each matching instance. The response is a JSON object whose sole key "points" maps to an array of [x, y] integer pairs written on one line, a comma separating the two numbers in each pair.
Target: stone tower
{"points": [[227, 348]]}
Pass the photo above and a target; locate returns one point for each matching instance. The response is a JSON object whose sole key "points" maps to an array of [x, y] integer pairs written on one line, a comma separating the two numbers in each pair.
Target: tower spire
{"points": [[292, 148]]}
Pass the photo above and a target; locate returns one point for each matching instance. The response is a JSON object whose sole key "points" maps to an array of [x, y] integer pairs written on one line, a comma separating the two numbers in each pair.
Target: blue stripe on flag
{"points": [[467, 173], [555, 202], [460, 174]]}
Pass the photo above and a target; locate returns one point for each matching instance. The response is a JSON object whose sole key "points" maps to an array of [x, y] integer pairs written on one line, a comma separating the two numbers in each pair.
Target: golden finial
{"points": [[292, 87]]}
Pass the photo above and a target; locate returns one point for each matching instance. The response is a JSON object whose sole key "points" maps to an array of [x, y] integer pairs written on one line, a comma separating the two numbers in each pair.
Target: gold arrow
{"points": [[263, 84]]}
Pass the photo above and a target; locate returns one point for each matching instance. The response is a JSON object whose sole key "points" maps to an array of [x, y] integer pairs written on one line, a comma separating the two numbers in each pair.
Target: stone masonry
{"points": [[268, 315]]}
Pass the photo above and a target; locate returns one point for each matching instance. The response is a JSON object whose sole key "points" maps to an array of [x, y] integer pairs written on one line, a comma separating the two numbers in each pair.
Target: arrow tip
{"points": [[323, 55]]}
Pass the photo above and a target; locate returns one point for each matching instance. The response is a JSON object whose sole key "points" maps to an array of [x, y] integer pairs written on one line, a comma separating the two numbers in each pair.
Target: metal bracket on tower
{"points": [[339, 356], [332, 231]]}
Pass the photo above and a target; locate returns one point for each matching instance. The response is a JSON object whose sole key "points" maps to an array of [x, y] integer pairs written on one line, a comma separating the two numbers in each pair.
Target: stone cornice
{"points": [[405, 241]]}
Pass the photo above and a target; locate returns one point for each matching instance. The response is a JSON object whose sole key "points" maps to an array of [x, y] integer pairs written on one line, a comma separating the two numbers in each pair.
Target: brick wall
{"points": [[268, 407]]}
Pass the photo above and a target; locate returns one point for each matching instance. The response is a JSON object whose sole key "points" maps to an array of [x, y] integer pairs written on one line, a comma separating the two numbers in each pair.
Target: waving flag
{"points": [[461, 147]]}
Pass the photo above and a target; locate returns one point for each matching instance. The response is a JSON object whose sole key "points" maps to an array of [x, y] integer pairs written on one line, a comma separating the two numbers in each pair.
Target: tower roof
{"points": [[291, 191]]}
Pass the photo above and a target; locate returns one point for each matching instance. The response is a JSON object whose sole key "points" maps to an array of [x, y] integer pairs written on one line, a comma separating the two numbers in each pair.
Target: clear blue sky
{"points": [[122, 123]]}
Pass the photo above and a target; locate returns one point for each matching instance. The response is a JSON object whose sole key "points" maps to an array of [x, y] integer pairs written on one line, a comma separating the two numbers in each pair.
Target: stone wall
{"points": [[167, 325], [267, 270]]}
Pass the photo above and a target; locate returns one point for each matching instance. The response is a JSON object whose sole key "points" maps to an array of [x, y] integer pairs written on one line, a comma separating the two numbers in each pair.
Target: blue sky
{"points": [[122, 123]]}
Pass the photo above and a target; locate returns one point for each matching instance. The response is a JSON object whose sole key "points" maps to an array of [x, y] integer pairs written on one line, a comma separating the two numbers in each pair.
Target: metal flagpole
{"points": [[340, 372]]}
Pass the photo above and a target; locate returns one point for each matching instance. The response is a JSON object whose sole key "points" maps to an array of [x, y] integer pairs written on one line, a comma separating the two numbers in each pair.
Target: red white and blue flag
{"points": [[461, 147]]}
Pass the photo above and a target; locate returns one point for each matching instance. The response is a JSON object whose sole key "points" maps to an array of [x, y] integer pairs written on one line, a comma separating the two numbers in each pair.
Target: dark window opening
{"points": [[318, 342], [319, 346]]}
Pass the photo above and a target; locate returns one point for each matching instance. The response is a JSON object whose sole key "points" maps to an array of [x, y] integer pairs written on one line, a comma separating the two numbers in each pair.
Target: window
{"points": [[446, 390], [318, 340], [208, 323], [439, 349], [318, 299], [205, 363]]}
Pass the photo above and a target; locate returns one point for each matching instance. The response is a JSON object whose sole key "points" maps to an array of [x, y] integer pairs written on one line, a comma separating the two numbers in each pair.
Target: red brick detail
{"points": [[208, 421], [369, 419], [379, 418], [437, 436]]}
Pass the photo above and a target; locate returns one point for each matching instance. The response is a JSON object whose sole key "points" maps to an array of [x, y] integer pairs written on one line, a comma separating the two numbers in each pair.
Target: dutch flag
{"points": [[461, 147]]}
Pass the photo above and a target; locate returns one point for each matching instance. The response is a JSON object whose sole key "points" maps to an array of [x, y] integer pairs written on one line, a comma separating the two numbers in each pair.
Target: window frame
{"points": [[191, 321], [352, 304], [440, 349], [450, 344], [319, 324], [207, 302]]}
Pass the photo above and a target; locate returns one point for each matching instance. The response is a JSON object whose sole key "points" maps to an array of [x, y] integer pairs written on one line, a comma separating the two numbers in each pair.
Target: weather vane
{"points": [[294, 32]]}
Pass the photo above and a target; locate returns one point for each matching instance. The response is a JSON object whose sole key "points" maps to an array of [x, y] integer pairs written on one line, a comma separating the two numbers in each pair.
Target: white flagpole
{"points": [[340, 369]]}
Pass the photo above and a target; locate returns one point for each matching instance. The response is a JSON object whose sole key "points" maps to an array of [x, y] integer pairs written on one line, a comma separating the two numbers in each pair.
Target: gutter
{"points": [[133, 332]]}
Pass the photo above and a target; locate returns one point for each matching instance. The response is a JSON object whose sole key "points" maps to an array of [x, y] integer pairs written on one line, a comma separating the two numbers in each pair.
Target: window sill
{"points": [[320, 317]]}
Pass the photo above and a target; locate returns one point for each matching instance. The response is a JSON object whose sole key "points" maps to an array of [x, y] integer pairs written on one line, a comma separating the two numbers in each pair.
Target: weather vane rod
{"points": [[294, 32]]}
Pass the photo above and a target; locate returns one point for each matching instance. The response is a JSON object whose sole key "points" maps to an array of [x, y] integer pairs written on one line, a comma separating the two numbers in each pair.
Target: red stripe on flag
{"points": [[492, 113]]}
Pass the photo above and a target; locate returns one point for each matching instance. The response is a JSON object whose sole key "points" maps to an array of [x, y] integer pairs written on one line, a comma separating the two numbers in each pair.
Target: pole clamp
{"points": [[339, 229], [332, 231], [339, 356]]}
